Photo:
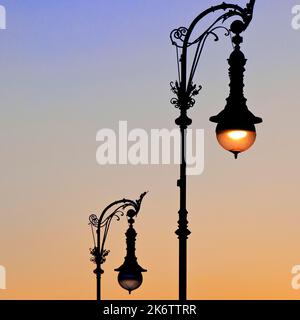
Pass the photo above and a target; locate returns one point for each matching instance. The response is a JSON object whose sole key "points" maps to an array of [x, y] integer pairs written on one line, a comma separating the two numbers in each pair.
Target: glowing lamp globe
{"points": [[236, 139]]}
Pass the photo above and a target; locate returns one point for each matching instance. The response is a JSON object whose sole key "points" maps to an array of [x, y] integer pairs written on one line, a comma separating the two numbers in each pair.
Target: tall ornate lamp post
{"points": [[130, 273], [235, 130]]}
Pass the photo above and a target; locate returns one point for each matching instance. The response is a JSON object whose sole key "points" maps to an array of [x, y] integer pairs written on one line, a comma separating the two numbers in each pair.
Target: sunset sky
{"points": [[69, 68]]}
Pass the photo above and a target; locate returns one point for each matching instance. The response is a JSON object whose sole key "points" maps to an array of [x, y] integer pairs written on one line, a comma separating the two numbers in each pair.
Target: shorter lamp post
{"points": [[130, 273]]}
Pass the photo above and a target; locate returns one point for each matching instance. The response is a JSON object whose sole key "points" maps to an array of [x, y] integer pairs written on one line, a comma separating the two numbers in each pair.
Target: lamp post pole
{"points": [[185, 91], [115, 210]]}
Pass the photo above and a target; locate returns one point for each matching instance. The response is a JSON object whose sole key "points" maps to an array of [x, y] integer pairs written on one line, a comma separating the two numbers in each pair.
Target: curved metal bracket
{"points": [[116, 209], [184, 89]]}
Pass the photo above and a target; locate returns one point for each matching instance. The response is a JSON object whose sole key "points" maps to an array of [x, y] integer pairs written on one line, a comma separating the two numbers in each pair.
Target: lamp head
{"points": [[130, 272], [235, 130], [130, 275], [130, 281]]}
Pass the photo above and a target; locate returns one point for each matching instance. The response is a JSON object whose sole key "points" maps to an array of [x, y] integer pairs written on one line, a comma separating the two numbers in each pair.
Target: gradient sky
{"points": [[71, 67]]}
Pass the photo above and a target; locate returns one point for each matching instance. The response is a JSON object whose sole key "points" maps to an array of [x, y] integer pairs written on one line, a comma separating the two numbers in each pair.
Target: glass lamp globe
{"points": [[236, 139], [130, 281]]}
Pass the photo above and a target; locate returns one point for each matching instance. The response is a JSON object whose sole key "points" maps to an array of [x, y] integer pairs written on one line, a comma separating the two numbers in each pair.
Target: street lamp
{"points": [[130, 273], [235, 124]]}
